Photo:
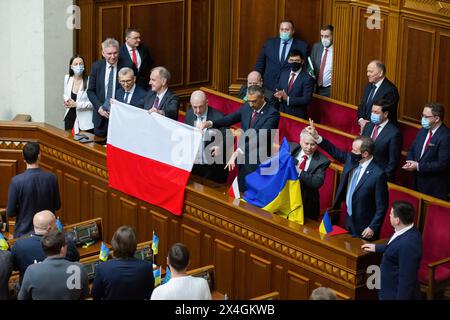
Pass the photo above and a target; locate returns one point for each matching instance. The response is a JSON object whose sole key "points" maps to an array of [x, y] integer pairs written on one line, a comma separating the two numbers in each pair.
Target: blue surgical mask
{"points": [[78, 69], [285, 36], [375, 118], [425, 123]]}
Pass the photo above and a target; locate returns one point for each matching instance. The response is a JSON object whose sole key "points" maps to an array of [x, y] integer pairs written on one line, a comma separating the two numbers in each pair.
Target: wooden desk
{"points": [[253, 251]]}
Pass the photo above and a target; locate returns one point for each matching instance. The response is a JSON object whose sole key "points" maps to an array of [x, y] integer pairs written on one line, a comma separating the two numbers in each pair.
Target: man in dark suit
{"points": [[160, 99], [130, 93], [258, 119], [401, 256], [210, 159], [103, 85], [133, 54], [379, 87], [363, 186], [295, 87], [387, 138], [311, 166], [272, 58], [254, 78], [322, 60], [429, 155]]}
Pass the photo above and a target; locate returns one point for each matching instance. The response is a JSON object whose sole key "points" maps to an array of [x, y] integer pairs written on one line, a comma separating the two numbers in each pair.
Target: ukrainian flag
{"points": [[59, 225], [155, 243], [157, 276], [168, 275], [104, 252], [325, 226], [3, 243], [277, 192]]}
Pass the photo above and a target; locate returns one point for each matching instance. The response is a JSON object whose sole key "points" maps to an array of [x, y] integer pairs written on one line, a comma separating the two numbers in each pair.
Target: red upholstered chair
{"points": [[409, 133], [434, 271], [386, 229], [222, 102], [327, 189]]}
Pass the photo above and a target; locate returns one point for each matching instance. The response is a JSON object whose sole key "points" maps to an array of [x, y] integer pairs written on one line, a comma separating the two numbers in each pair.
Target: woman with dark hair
{"points": [[77, 104]]}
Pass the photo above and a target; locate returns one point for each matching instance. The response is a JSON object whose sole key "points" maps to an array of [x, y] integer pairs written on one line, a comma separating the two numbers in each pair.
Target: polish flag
{"points": [[150, 156], [234, 189], [76, 127]]}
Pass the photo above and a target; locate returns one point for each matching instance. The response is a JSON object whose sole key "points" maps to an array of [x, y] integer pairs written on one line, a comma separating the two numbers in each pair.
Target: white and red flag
{"points": [[150, 156]]}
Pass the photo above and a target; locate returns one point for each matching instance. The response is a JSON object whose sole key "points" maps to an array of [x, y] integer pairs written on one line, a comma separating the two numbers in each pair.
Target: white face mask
{"points": [[78, 69], [326, 42]]}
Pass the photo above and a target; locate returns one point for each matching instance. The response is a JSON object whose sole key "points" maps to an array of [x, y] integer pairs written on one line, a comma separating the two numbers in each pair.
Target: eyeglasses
{"points": [[126, 81]]}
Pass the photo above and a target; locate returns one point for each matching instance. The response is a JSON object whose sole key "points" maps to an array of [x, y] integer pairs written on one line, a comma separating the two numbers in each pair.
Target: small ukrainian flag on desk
{"points": [[3, 243], [277, 192], [155, 243], [104, 252], [325, 226]]}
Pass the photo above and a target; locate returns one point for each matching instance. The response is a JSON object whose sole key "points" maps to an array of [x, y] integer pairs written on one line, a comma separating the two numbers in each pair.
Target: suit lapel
{"points": [[313, 163], [365, 176]]}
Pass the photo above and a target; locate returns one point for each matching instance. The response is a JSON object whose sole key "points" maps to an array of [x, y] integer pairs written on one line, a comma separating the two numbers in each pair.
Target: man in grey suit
{"points": [[55, 278], [311, 167], [322, 60]]}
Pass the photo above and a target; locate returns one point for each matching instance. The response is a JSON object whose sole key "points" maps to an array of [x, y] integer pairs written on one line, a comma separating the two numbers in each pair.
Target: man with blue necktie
{"points": [[363, 186]]}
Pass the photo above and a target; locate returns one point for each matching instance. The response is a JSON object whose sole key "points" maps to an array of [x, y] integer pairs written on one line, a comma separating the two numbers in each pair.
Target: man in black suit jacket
{"points": [[401, 256], [103, 84], [387, 138], [379, 87], [160, 99], [210, 162], [133, 54], [272, 58], [258, 119], [322, 56], [311, 166], [363, 186], [254, 78], [429, 155], [295, 87], [130, 93]]}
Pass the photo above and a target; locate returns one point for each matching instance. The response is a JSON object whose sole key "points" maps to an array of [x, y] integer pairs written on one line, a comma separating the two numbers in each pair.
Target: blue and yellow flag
{"points": [[155, 243], [104, 252], [325, 226], [157, 276], [168, 275], [3, 243], [59, 225], [275, 186]]}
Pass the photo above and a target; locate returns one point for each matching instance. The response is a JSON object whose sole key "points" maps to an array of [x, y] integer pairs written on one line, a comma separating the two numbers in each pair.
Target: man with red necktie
{"points": [[322, 60]]}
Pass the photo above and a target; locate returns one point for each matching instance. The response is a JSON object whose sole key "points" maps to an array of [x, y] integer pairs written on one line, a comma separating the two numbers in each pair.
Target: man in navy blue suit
{"points": [[379, 87], [130, 93], [272, 58], [295, 87], [401, 256], [257, 119], [133, 54], [428, 157], [386, 136], [103, 85], [363, 186]]}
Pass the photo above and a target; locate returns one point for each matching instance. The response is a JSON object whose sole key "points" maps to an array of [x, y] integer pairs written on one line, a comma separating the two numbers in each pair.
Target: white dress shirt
{"points": [[130, 94], [400, 232], [300, 159], [130, 52], [327, 71], [200, 158]]}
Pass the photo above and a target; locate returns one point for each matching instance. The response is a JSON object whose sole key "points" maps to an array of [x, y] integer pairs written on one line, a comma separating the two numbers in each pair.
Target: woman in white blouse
{"points": [[77, 104]]}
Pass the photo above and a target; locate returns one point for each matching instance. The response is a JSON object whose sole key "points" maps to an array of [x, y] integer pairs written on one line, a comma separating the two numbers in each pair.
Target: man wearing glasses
{"points": [[428, 157], [130, 93]]}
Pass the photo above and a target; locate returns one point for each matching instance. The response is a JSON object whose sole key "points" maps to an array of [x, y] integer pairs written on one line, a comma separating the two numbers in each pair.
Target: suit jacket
{"points": [[84, 106], [388, 91], [388, 146], [311, 180], [137, 99], [268, 62], [143, 74], [370, 198], [300, 94], [434, 167], [214, 171], [268, 119], [399, 267], [169, 103], [96, 89], [316, 57]]}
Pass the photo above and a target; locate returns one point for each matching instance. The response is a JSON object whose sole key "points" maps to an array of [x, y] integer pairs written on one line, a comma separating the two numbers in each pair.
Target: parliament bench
{"points": [[269, 296]]}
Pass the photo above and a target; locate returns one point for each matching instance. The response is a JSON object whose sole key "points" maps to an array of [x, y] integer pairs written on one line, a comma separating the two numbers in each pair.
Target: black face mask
{"points": [[295, 66], [356, 157]]}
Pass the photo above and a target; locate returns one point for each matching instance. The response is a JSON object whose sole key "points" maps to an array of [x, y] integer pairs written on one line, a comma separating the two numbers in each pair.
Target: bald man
{"points": [[254, 78], [210, 162], [28, 250]]}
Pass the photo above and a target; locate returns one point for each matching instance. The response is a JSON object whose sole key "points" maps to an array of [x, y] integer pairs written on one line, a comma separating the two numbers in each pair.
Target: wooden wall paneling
{"points": [[224, 263], [59, 177], [192, 239], [298, 286], [441, 85], [199, 34], [162, 25], [258, 280], [144, 227], [279, 280], [99, 208], [85, 37], [207, 249], [174, 233], [392, 51], [8, 169], [71, 199], [222, 45], [307, 18], [85, 212], [110, 24], [241, 277], [128, 211], [416, 68], [48, 168], [160, 226]]}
